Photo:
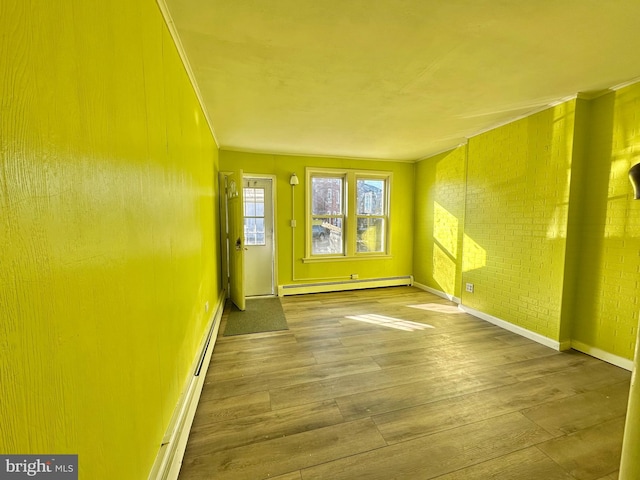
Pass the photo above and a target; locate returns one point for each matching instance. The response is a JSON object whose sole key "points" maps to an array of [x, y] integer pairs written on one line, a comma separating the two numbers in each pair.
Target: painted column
{"points": [[630, 463]]}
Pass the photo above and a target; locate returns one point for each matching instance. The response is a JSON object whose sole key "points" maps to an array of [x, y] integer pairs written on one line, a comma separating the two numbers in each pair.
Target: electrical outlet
{"points": [[293, 223], [206, 307], [470, 287], [354, 276]]}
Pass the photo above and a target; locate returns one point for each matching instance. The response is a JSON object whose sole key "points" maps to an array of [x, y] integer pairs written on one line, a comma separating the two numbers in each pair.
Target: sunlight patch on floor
{"points": [[390, 322], [437, 307]]}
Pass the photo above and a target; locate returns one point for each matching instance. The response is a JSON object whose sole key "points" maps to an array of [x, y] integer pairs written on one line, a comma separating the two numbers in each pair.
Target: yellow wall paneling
{"points": [[108, 232]]}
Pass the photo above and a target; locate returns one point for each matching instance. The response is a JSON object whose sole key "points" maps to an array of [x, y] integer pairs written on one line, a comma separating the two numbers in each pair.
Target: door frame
{"points": [[224, 231], [274, 252], [224, 228]]}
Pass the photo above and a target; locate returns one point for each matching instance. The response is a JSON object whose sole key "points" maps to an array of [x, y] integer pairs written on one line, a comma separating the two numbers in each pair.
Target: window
{"points": [[347, 213], [254, 216], [327, 215], [371, 214]]}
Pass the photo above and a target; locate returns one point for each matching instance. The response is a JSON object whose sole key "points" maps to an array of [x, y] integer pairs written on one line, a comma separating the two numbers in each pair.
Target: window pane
{"points": [[249, 202], [249, 229], [259, 201], [371, 194], [326, 196], [326, 236], [370, 235], [254, 233], [254, 216]]}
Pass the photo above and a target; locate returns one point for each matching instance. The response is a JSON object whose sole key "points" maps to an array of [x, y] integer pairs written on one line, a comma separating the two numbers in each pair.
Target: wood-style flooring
{"points": [[434, 394]]}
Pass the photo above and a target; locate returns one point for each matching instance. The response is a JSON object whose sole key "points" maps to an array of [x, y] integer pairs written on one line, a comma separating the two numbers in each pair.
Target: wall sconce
{"points": [[634, 176], [293, 180]]}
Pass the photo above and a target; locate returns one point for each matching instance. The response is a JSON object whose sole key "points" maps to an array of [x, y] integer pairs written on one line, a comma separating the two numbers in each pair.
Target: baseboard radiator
{"points": [[169, 459], [337, 286]]}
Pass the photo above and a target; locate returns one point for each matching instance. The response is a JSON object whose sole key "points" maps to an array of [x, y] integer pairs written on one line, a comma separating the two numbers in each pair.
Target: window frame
{"points": [[350, 213]]}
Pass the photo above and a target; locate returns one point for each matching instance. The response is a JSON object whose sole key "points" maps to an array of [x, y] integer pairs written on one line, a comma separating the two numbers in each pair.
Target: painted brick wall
{"points": [[439, 221], [516, 219], [514, 207]]}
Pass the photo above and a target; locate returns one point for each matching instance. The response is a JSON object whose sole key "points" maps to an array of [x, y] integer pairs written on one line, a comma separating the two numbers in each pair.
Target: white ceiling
{"points": [[394, 79]]}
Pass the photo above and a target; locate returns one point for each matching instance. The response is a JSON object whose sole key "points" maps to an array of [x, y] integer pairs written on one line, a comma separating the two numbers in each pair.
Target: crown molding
{"points": [[168, 20]]}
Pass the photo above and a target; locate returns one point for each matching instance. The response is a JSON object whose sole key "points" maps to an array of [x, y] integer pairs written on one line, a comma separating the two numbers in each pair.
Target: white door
{"points": [[237, 288], [258, 236]]}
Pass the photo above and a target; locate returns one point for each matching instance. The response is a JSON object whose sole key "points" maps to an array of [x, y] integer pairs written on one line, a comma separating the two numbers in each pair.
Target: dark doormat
{"points": [[261, 315]]}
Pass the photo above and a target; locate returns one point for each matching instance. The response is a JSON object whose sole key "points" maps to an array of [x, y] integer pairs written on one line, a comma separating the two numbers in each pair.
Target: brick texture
{"points": [[495, 213], [516, 216]]}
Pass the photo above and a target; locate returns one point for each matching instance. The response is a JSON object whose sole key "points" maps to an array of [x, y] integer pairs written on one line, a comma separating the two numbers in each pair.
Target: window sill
{"points": [[344, 258]]}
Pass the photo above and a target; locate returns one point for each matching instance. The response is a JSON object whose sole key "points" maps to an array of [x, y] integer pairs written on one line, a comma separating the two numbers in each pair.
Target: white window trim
{"points": [[350, 217]]}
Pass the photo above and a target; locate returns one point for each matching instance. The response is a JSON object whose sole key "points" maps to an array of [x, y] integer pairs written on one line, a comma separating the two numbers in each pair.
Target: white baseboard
{"points": [[437, 292], [323, 287], [536, 337], [602, 355], [169, 459], [560, 346], [565, 345]]}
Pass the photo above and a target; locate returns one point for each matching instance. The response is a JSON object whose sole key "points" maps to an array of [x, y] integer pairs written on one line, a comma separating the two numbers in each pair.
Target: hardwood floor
{"points": [[359, 398]]}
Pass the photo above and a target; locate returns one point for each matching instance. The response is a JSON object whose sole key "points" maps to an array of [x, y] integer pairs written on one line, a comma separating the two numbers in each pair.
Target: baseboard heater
{"points": [[169, 458], [336, 286]]}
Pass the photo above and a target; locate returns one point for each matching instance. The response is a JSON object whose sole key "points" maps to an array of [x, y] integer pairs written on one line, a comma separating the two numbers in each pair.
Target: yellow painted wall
{"points": [[108, 231], [507, 211], [574, 218], [401, 218], [608, 278], [516, 219], [439, 221], [550, 232]]}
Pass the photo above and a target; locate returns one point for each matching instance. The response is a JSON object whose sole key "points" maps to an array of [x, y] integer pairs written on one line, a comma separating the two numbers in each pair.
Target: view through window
{"points": [[348, 212], [327, 215]]}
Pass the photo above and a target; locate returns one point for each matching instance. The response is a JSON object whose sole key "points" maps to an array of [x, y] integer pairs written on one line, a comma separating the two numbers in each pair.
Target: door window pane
{"points": [[254, 233]]}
